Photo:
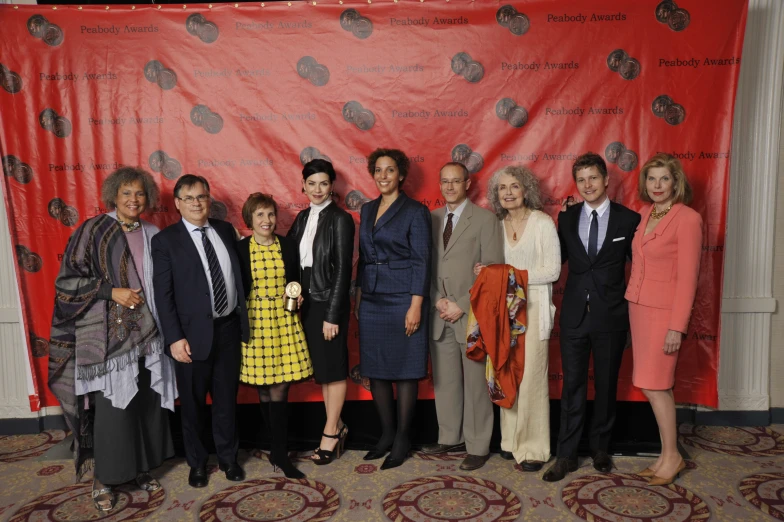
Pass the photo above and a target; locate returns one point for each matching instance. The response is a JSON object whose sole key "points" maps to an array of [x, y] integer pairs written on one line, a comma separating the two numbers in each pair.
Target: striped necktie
{"points": [[219, 295]]}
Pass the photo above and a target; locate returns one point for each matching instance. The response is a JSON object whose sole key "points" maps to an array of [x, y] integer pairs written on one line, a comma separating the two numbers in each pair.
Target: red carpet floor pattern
{"points": [[734, 474]]}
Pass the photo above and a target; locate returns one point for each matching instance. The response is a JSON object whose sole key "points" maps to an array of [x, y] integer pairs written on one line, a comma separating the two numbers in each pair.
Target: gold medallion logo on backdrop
{"points": [[664, 107], [202, 28], [314, 72], [617, 153], [473, 161], [15, 168], [676, 18], [308, 154], [354, 112], [155, 72], [159, 161], [507, 109], [10, 80], [39, 27]]}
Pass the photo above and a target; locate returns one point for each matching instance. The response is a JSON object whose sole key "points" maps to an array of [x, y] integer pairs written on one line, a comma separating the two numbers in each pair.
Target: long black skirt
{"points": [[330, 358], [134, 440]]}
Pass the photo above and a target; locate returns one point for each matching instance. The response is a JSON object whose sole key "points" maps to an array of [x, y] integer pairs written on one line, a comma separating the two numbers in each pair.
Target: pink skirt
{"points": [[653, 369]]}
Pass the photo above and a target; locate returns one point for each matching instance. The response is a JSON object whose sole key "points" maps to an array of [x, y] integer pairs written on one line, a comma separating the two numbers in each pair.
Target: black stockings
{"points": [[274, 392], [274, 410], [396, 427]]}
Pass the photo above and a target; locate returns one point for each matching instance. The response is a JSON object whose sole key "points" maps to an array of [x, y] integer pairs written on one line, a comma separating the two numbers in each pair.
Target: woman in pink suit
{"points": [[665, 266]]}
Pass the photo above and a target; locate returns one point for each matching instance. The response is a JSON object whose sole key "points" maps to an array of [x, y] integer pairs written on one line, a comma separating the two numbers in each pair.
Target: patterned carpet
{"points": [[734, 474]]}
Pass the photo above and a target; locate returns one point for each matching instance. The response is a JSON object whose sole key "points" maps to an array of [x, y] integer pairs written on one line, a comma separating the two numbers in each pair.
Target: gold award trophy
{"points": [[293, 291]]}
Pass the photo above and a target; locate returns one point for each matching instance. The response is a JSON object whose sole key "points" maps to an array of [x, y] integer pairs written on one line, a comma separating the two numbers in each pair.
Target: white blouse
{"points": [[539, 252], [306, 244]]}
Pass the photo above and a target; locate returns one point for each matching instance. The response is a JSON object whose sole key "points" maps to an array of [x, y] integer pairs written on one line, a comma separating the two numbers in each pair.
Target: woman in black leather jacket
{"points": [[325, 235]]}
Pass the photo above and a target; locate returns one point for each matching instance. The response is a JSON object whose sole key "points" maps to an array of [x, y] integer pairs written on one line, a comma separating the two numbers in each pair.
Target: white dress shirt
{"points": [[584, 227], [306, 244], [223, 259], [455, 214]]}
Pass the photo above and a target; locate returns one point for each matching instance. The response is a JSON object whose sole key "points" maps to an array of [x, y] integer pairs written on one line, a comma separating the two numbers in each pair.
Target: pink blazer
{"points": [[666, 264]]}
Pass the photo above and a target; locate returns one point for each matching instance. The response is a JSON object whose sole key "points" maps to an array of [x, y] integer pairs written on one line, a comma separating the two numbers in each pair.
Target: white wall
{"points": [[15, 375], [777, 322]]}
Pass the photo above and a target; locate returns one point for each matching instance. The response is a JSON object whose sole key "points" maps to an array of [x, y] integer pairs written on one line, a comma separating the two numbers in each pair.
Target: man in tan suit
{"points": [[463, 235]]}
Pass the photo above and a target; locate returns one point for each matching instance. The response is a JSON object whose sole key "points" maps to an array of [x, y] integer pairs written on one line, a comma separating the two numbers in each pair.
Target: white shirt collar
{"points": [[315, 209], [191, 227], [458, 211], [600, 211]]}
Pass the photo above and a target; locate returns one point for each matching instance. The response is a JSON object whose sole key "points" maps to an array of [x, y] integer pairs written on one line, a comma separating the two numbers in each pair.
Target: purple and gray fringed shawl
{"points": [[92, 336]]}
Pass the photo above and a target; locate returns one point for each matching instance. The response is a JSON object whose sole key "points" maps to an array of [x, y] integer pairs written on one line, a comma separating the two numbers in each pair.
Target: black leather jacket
{"points": [[333, 249]]}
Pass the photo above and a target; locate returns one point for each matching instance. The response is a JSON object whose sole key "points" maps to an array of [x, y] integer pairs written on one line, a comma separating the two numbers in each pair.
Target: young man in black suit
{"points": [[596, 239], [201, 305]]}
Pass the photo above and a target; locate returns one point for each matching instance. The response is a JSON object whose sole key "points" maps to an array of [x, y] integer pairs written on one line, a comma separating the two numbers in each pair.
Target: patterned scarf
{"points": [[496, 326], [92, 336]]}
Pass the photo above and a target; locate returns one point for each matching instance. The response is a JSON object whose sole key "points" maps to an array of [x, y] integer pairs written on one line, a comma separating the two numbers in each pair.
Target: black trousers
{"points": [[219, 375], [132, 440], [577, 344]]}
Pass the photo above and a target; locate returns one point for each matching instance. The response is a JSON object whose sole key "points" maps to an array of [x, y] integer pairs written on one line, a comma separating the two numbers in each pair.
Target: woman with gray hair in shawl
{"points": [[107, 367]]}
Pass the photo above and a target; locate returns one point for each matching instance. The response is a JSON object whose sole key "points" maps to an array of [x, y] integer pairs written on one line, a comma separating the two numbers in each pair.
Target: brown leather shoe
{"points": [[438, 449], [472, 462]]}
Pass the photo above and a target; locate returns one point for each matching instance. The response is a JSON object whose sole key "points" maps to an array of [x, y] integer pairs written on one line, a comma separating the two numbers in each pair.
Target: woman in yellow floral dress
{"points": [[276, 354]]}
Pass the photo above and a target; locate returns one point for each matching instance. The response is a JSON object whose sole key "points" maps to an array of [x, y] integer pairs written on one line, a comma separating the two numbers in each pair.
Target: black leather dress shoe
{"points": [[438, 449], [531, 466], [506, 455], [198, 478], [559, 470], [234, 471], [602, 462]]}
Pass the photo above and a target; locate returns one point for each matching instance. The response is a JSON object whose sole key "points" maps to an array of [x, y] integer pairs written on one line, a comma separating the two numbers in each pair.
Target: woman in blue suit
{"points": [[393, 280]]}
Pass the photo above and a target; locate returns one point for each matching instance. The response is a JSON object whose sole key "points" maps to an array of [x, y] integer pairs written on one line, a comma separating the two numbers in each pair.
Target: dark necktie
{"points": [[448, 229], [216, 274], [593, 235]]}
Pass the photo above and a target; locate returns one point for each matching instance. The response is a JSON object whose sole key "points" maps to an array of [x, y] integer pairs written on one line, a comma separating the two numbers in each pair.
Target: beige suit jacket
{"points": [[475, 239]]}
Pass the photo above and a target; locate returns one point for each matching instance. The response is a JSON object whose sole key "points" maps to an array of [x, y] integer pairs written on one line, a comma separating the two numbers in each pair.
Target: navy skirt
{"points": [[385, 351]]}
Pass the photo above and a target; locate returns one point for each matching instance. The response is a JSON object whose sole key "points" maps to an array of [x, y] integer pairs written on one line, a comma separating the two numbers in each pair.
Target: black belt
{"points": [[226, 318]]}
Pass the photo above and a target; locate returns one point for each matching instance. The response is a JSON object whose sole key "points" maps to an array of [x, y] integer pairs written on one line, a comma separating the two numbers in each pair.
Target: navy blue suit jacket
{"points": [[182, 293], [604, 277], [394, 255]]}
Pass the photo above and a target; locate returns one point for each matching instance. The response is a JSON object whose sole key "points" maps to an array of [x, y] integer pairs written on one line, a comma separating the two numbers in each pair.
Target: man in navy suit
{"points": [[201, 305], [596, 239]]}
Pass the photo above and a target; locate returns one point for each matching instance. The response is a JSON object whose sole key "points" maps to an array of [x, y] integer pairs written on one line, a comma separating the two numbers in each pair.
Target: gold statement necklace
{"points": [[511, 225], [655, 214]]}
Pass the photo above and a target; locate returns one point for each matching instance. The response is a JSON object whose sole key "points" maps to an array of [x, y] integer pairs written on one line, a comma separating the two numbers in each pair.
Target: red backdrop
{"points": [[242, 94]]}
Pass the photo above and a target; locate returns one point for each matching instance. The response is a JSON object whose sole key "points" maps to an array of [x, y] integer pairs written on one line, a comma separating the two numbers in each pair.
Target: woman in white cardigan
{"points": [[530, 243]]}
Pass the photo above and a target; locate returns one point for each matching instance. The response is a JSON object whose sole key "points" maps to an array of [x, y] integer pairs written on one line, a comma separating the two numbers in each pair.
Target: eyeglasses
{"points": [[446, 182], [190, 200]]}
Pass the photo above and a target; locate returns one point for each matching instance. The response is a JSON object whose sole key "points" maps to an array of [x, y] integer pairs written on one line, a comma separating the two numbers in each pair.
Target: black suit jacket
{"points": [[288, 250], [182, 292], [604, 277]]}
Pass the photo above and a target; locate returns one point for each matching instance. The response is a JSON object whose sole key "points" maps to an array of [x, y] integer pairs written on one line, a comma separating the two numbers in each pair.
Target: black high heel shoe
{"points": [[327, 456], [376, 453], [393, 462], [286, 467]]}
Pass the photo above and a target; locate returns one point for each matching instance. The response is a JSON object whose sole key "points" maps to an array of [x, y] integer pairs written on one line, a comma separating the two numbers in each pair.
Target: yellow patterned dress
{"points": [[276, 351]]}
